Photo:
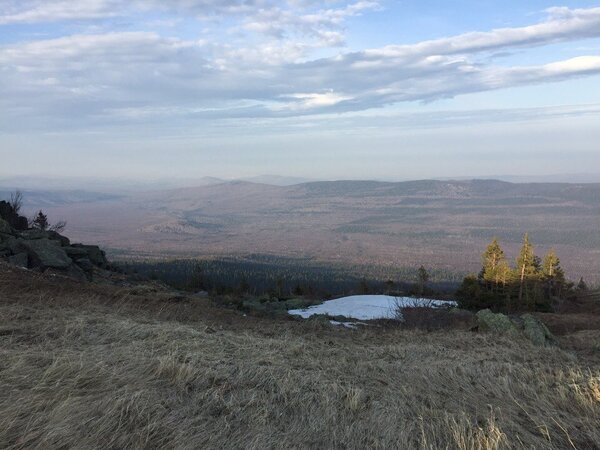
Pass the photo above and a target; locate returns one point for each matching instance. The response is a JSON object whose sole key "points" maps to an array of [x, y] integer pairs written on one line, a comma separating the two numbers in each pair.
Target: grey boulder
{"points": [[94, 254], [76, 252], [536, 331], [34, 234], [496, 323], [41, 234], [46, 253]]}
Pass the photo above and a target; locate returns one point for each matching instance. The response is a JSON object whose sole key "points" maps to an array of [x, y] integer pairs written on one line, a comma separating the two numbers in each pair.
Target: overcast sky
{"points": [[148, 89]]}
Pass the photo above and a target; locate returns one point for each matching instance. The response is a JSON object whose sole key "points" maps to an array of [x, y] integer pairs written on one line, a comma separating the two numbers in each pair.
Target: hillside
{"points": [[441, 224], [104, 366]]}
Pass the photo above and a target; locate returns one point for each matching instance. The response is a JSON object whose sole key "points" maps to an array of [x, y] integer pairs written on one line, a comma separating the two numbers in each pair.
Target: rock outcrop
{"points": [[14, 220], [496, 323], [536, 331], [45, 253], [527, 325], [46, 250]]}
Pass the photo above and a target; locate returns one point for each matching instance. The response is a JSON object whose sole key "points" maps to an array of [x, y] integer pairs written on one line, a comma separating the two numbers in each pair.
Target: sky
{"points": [[378, 89]]}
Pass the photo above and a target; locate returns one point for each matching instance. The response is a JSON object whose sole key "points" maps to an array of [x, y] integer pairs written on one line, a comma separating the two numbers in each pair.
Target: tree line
{"points": [[284, 277], [531, 284]]}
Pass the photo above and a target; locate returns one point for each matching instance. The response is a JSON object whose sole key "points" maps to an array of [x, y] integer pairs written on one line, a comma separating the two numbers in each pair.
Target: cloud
{"points": [[36, 11], [279, 22], [32, 11], [562, 24], [311, 100], [88, 79], [289, 27]]}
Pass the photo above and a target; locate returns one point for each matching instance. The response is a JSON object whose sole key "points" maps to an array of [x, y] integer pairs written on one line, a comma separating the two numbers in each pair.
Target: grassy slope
{"points": [[91, 367]]}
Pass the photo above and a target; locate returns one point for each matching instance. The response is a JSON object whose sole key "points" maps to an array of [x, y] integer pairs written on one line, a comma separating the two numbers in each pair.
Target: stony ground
{"points": [[90, 366]]}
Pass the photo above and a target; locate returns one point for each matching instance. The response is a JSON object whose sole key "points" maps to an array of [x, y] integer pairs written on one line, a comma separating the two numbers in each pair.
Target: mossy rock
{"points": [[495, 323], [536, 331]]}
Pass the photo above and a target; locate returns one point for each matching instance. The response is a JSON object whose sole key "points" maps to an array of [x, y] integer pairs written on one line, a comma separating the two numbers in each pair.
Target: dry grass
{"points": [[95, 367]]}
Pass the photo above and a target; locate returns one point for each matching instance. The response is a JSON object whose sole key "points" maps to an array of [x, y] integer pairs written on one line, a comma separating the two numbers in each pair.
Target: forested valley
{"points": [[285, 277]]}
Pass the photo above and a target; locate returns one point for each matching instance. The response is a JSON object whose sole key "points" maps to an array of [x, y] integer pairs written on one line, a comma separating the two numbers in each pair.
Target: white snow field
{"points": [[366, 307]]}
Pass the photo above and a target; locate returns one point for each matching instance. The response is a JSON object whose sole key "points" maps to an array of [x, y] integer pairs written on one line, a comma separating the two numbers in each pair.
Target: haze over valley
{"points": [[440, 224]]}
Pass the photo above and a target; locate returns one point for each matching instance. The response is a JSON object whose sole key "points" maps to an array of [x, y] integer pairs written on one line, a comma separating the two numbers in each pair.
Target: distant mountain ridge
{"points": [[440, 189], [122, 186], [42, 199]]}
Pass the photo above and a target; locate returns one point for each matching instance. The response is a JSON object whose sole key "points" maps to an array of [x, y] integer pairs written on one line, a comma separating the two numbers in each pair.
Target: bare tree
{"points": [[58, 226], [16, 201]]}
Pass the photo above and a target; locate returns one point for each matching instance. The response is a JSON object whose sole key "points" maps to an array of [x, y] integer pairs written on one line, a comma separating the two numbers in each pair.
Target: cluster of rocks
{"points": [[527, 325], [46, 250], [13, 220]]}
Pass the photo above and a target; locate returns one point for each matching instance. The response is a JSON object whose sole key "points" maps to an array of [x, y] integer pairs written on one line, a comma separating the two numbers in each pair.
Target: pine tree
{"points": [[527, 268], [504, 272], [553, 274], [40, 221], [494, 264]]}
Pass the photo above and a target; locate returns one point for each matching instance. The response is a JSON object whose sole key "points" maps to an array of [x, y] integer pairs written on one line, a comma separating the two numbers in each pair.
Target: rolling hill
{"points": [[443, 224]]}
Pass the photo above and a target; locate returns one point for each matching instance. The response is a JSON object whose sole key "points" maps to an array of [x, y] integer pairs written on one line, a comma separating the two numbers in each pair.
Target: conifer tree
{"points": [[552, 273], [41, 221], [494, 264], [504, 272], [532, 284], [527, 266]]}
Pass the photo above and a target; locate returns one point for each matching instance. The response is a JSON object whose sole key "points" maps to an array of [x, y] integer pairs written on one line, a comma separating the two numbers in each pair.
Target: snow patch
{"points": [[368, 307]]}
